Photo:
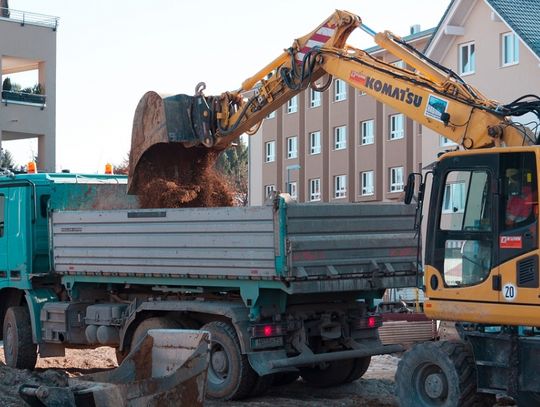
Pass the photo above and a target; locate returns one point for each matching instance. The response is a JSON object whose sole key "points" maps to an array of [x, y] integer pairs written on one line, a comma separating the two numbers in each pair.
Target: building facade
{"points": [[337, 146], [493, 45], [28, 43]]}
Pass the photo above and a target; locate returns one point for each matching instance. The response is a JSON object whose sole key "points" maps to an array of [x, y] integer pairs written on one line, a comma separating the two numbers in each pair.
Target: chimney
{"points": [[415, 29]]}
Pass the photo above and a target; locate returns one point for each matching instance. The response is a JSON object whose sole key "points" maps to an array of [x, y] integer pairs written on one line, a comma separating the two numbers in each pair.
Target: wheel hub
{"points": [[219, 362], [435, 385], [8, 343]]}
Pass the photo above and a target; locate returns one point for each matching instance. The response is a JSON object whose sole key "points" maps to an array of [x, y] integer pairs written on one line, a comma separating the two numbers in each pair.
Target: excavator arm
{"points": [[429, 93]]}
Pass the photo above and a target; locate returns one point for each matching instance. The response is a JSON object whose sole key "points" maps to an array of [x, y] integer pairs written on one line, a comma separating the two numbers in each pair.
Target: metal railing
{"points": [[9, 96], [25, 17]]}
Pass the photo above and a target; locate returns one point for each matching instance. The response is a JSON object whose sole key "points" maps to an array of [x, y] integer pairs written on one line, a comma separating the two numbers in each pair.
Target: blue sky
{"points": [[111, 52]]}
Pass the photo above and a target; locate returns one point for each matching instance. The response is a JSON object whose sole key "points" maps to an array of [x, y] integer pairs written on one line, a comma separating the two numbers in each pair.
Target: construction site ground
{"points": [[374, 389]]}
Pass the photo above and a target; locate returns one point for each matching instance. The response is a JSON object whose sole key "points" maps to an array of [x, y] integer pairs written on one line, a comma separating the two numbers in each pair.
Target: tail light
{"points": [[266, 336], [367, 322], [267, 330]]}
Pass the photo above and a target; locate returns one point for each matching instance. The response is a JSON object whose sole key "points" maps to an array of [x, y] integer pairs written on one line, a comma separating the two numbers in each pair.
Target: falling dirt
{"points": [[170, 175]]}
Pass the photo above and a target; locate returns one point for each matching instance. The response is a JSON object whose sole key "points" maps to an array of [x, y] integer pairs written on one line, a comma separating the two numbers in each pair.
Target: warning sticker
{"points": [[510, 242], [435, 107]]}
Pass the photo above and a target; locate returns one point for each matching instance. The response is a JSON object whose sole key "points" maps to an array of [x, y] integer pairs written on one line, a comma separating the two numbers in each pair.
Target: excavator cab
{"points": [[483, 237]]}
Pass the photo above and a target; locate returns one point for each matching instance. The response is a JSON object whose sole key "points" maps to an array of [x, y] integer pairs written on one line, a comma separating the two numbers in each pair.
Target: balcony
{"points": [[24, 17], [23, 98]]}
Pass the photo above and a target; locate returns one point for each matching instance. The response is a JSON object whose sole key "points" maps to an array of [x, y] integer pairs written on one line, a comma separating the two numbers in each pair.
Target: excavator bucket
{"points": [[170, 136], [167, 367]]}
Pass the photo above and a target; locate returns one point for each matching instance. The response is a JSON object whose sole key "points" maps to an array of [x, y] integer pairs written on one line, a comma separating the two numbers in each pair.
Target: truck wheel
{"points": [[151, 323], [360, 366], [327, 374], [230, 376], [436, 374], [19, 349]]}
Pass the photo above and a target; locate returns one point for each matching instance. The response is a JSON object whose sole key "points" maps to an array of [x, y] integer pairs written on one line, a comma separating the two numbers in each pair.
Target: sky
{"points": [[109, 53]]}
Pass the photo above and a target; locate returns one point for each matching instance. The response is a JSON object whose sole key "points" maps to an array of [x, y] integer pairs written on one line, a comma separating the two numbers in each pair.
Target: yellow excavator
{"points": [[481, 251]]}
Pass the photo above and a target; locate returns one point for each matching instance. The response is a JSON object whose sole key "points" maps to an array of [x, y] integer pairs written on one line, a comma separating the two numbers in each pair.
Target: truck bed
{"points": [[305, 246]]}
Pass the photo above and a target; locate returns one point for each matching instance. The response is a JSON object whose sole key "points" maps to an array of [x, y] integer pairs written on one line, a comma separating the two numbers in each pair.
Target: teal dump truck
{"points": [[285, 289]]}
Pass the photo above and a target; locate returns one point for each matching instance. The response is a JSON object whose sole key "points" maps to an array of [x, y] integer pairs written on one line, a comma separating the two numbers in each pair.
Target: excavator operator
{"points": [[519, 202]]}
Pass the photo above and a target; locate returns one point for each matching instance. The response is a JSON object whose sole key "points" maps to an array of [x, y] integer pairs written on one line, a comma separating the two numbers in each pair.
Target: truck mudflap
{"points": [[167, 367], [277, 361]]}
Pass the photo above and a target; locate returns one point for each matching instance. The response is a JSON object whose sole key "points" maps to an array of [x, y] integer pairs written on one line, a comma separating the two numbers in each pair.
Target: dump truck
{"points": [[283, 289]]}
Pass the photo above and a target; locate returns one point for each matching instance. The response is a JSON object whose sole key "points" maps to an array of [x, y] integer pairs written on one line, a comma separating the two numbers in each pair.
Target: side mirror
{"points": [[409, 188]]}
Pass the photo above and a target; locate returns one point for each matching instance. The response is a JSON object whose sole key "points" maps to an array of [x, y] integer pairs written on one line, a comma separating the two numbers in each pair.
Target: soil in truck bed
{"points": [[172, 176]]}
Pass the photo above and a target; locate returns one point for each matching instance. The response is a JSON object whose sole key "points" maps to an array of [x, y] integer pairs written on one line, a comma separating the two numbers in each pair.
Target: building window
{"points": [[271, 115], [396, 179], [340, 138], [340, 186], [446, 142], [292, 190], [510, 49], [366, 132], [315, 189], [454, 197], [366, 183], [270, 148], [292, 105], [466, 58], [268, 189], [314, 98], [292, 147], [315, 142], [340, 90], [397, 129]]}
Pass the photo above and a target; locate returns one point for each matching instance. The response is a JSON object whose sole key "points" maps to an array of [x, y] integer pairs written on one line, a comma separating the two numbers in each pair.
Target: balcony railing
{"points": [[24, 17], [23, 98]]}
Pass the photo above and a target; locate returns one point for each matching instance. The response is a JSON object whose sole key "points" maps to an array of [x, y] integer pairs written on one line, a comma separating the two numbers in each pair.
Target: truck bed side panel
{"points": [[199, 242]]}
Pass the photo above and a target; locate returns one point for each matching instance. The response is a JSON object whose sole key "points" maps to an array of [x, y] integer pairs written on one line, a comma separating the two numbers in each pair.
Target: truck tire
{"points": [[327, 374], [360, 366], [151, 323], [437, 374], [283, 379], [19, 349], [230, 376]]}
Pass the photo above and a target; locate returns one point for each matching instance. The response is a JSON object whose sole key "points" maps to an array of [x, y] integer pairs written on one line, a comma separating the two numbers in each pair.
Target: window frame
{"points": [[364, 140], [268, 189], [292, 152], [394, 132], [314, 98], [293, 189], [340, 186], [470, 56], [314, 196], [340, 144], [292, 105], [315, 149], [270, 151], [340, 90], [515, 49], [364, 187], [396, 186]]}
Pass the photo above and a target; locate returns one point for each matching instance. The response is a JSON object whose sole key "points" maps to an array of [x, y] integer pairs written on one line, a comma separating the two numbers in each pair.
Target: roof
{"points": [[523, 17], [408, 38]]}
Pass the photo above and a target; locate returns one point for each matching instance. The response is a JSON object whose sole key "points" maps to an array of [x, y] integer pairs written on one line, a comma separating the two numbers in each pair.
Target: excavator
{"points": [[480, 265]]}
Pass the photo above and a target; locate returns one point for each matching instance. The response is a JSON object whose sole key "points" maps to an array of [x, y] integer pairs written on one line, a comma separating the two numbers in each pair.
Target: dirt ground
{"points": [[374, 389]]}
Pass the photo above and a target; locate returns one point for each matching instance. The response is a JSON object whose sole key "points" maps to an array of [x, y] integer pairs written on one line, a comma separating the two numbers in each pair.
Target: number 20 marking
{"points": [[509, 292]]}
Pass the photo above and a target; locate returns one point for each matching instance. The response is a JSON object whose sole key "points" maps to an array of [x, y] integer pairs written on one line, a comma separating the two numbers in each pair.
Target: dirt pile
{"points": [[169, 175], [12, 379]]}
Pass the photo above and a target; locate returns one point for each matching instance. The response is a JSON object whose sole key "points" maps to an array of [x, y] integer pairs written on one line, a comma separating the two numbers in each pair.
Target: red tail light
{"points": [[372, 322], [267, 330]]}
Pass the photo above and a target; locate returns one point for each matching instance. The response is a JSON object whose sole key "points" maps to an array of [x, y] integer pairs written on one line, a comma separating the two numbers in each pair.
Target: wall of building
{"points": [[356, 158], [36, 43]]}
